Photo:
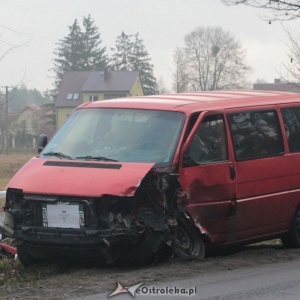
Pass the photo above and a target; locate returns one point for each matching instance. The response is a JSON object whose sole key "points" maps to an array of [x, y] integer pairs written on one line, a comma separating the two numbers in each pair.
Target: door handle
{"points": [[232, 172]]}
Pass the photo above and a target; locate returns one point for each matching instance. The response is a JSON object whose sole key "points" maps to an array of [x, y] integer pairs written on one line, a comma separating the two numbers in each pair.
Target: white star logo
{"points": [[130, 289]]}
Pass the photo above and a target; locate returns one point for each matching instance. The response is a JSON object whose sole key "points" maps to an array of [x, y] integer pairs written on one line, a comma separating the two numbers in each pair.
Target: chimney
{"points": [[107, 73]]}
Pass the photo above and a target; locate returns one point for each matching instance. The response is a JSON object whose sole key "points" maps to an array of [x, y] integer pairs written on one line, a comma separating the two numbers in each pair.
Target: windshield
{"points": [[124, 135]]}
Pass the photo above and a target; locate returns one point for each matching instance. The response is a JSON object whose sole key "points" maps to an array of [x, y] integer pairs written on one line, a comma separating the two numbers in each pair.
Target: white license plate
{"points": [[63, 215]]}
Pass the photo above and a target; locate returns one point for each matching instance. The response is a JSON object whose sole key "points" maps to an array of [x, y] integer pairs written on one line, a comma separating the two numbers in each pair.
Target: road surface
{"points": [[278, 281]]}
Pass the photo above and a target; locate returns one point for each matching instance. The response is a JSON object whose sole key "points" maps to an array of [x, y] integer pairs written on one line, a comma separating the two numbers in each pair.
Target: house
{"points": [[278, 85], [78, 87], [25, 127]]}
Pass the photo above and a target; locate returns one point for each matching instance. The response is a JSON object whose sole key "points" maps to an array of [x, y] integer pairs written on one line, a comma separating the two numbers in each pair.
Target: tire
{"points": [[147, 249], [187, 242], [292, 239]]}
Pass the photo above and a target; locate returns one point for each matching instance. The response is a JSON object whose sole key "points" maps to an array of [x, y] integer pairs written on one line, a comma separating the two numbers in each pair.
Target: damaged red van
{"points": [[129, 177]]}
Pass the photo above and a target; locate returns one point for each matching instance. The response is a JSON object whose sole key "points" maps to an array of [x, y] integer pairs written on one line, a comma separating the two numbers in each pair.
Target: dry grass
{"points": [[11, 272], [14, 274], [10, 164]]}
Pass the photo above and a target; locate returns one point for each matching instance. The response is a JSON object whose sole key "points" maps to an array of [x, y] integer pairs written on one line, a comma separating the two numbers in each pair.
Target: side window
{"points": [[256, 134], [209, 144], [291, 119]]}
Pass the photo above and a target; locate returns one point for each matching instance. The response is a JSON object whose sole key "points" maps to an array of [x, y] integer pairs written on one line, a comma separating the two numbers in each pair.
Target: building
{"points": [[278, 85], [25, 127], [78, 87]]}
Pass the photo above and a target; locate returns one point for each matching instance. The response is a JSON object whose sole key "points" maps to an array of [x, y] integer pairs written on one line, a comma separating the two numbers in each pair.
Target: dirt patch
{"points": [[63, 281]]}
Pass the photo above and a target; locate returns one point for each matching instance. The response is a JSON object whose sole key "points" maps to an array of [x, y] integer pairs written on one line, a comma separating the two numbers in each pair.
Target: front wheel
{"points": [[29, 255], [187, 242], [292, 239]]}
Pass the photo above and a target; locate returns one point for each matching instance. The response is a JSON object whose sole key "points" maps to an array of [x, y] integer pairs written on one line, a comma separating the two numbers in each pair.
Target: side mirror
{"points": [[43, 140]]}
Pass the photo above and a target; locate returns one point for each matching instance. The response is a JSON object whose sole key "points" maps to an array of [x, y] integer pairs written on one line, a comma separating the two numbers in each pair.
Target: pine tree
{"points": [[122, 53], [141, 62], [79, 51], [95, 57], [130, 54], [69, 54]]}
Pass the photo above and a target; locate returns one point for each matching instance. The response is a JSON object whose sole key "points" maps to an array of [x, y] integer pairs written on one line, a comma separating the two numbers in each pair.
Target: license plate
{"points": [[63, 215]]}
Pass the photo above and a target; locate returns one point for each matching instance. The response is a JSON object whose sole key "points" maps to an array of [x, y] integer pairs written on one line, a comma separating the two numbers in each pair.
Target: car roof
{"points": [[199, 101]]}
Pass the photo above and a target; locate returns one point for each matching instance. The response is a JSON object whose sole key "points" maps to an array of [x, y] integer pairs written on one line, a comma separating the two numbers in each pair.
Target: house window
{"points": [[73, 96], [112, 96], [94, 98]]}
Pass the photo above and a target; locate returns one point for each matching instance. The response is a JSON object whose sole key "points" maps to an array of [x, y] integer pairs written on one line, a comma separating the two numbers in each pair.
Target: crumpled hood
{"points": [[79, 178]]}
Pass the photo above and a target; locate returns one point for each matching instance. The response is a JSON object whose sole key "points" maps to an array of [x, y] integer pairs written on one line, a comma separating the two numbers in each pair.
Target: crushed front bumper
{"points": [[62, 236]]}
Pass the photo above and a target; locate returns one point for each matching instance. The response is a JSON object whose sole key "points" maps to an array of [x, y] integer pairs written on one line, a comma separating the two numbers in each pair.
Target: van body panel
{"points": [[210, 187], [262, 176], [293, 164], [211, 194], [88, 179]]}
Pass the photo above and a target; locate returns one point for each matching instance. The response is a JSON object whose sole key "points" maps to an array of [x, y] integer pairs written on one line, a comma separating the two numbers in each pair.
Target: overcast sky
{"points": [[162, 25]]}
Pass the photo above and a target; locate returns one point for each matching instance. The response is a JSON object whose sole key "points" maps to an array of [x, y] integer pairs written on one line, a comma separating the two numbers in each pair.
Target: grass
{"points": [[11, 271]]}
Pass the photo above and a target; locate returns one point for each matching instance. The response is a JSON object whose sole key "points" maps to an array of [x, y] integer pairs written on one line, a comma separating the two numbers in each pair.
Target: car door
{"points": [[262, 172], [207, 175]]}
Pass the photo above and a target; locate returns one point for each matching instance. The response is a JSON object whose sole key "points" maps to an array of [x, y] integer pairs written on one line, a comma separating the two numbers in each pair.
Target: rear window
{"points": [[256, 134]]}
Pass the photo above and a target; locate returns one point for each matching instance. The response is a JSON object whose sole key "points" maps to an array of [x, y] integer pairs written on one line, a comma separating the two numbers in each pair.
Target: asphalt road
{"points": [[278, 281]]}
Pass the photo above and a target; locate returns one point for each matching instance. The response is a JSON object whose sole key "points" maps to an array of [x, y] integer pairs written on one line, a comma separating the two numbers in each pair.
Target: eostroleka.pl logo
{"points": [[139, 289], [123, 289]]}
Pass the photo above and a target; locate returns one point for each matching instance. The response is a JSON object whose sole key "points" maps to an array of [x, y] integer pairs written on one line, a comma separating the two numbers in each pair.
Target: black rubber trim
{"points": [[82, 165]]}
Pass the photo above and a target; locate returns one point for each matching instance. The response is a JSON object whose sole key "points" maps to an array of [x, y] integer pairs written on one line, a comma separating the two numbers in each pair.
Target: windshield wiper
{"points": [[89, 157], [58, 154]]}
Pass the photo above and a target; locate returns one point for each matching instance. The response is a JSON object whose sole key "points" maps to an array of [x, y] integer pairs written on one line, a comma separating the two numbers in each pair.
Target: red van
{"points": [[129, 177]]}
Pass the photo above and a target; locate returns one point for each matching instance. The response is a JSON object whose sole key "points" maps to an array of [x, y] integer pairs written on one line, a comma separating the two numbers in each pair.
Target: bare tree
{"points": [[162, 88], [180, 74], [283, 10], [291, 68], [214, 60], [6, 47]]}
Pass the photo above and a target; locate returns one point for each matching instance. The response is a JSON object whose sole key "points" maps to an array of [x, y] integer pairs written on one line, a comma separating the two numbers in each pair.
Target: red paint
{"points": [[231, 201], [10, 249], [36, 178]]}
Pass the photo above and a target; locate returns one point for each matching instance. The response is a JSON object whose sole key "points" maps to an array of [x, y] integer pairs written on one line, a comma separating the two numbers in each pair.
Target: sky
{"points": [[37, 25]]}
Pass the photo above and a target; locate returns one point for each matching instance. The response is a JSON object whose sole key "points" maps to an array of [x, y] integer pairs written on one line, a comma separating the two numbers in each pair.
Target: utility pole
{"points": [[6, 120]]}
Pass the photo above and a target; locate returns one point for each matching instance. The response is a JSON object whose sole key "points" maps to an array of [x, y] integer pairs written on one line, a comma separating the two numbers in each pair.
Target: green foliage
{"points": [[19, 98], [68, 54], [94, 55], [14, 274], [79, 51], [130, 54]]}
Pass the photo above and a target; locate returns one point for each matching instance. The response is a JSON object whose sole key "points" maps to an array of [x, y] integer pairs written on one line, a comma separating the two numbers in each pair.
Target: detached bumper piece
{"points": [[6, 249]]}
